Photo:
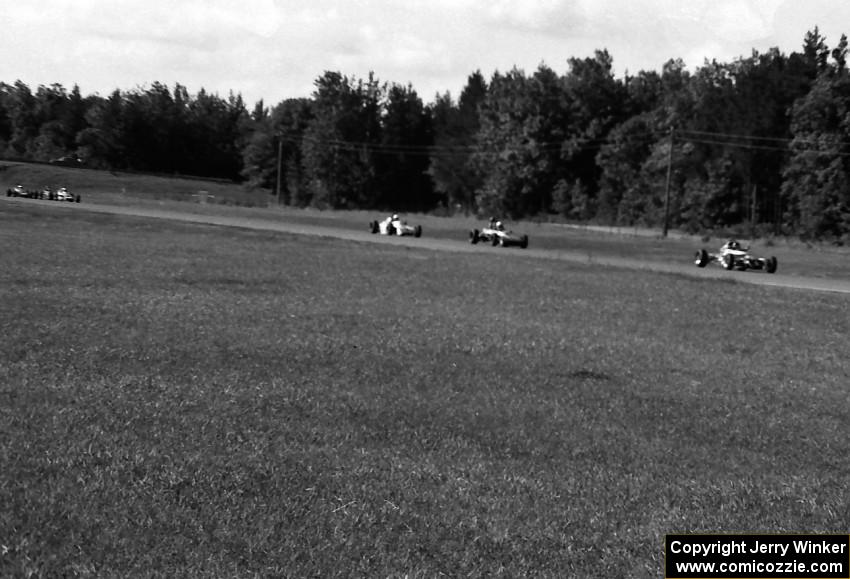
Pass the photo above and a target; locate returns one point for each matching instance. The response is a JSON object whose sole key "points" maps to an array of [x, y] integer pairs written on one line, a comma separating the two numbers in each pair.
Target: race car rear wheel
{"points": [[495, 240], [701, 259], [524, 242], [473, 236], [373, 226], [417, 231], [771, 265], [728, 261]]}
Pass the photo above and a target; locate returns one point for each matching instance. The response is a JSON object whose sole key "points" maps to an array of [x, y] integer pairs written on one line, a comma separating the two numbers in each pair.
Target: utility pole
{"points": [[667, 188], [754, 208], [279, 161]]}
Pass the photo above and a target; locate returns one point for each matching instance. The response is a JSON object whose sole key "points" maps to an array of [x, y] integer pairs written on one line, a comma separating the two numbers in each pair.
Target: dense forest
{"points": [[762, 142]]}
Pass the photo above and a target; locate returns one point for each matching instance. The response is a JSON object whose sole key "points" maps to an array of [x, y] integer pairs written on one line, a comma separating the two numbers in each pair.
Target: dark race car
{"points": [[733, 255], [18, 191], [495, 234]]}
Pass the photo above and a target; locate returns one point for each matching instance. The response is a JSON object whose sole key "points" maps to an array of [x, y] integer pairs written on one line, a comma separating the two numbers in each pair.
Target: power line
{"points": [[577, 145], [786, 140]]}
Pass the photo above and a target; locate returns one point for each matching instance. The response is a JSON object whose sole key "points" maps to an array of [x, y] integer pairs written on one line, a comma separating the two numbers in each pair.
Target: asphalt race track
{"points": [[685, 268]]}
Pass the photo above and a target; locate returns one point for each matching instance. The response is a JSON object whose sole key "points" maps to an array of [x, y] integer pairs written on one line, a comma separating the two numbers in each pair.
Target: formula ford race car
{"points": [[395, 226], [18, 191], [733, 255], [61, 194], [495, 234]]}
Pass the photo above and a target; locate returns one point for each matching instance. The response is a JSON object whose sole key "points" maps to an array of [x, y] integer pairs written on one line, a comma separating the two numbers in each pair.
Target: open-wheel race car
{"points": [[733, 255], [496, 234], [394, 226], [62, 194], [18, 191]]}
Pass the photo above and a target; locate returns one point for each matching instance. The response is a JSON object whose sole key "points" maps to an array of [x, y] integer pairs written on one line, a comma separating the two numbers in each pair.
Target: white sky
{"points": [[275, 49]]}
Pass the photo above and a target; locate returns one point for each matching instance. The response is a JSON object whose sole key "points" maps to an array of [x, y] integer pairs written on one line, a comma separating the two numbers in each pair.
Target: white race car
{"points": [[395, 226], [733, 255], [62, 194]]}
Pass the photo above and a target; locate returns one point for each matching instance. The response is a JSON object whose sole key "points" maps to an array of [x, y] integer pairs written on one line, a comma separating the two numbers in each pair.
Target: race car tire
{"points": [[417, 231], [728, 262], [373, 226], [390, 229], [701, 259], [771, 265], [495, 240], [524, 242], [77, 199], [473, 236]]}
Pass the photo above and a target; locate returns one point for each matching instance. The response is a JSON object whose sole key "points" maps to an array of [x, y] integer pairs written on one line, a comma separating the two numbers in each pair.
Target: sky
{"points": [[272, 50]]}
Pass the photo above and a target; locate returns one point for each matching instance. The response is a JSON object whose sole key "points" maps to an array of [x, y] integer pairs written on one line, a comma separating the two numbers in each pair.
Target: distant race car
{"points": [[395, 226], [495, 234], [68, 161], [62, 194], [733, 255], [18, 191]]}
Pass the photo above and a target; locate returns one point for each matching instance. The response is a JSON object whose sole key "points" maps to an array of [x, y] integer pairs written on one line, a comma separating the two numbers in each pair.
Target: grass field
{"points": [[196, 401]]}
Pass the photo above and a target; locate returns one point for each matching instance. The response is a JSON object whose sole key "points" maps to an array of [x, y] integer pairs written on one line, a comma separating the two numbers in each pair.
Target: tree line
{"points": [[762, 142]]}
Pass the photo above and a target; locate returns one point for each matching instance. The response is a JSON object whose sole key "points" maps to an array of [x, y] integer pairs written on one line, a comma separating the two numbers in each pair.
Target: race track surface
{"points": [[686, 268]]}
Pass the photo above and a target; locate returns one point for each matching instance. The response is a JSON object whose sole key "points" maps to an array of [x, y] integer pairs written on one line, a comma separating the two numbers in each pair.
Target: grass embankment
{"points": [[101, 187], [181, 400], [120, 188]]}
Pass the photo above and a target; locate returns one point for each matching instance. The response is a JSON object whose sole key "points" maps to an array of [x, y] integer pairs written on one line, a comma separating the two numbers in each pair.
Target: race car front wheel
{"points": [[771, 265]]}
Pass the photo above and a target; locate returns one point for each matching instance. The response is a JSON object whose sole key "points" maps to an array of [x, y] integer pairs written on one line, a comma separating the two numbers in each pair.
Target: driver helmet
{"points": [[395, 216], [499, 225], [733, 244]]}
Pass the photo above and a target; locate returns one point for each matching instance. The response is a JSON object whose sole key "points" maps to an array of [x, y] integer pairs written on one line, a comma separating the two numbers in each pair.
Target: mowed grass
{"points": [[194, 401]]}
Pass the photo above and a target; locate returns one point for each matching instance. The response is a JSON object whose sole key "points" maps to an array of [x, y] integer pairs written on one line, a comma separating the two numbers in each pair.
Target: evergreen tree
{"points": [[402, 159], [455, 127]]}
